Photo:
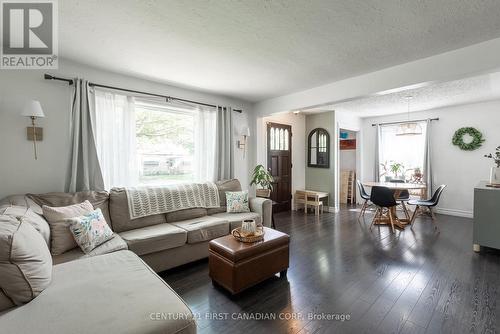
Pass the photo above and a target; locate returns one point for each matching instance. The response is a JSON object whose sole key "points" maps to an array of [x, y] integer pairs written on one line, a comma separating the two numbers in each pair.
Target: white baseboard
{"points": [[454, 212]]}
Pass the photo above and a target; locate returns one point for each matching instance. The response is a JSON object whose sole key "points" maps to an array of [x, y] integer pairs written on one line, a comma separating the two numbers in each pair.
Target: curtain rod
{"points": [[91, 84], [411, 121]]}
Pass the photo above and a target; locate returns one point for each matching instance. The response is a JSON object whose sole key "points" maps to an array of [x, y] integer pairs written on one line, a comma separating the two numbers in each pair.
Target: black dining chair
{"points": [[364, 195], [429, 204], [404, 196], [383, 198]]}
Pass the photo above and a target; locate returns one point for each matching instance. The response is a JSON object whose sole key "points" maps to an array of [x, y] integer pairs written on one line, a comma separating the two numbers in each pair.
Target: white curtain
{"points": [[116, 138], [204, 148]]}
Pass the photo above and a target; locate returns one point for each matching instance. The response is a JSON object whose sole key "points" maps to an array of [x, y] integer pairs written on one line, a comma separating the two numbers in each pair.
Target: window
{"points": [[164, 144], [401, 157], [150, 142], [279, 139], [319, 149]]}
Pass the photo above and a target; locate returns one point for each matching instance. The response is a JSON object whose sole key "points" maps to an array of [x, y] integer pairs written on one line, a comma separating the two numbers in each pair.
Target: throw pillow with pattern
{"points": [[237, 201], [90, 230]]}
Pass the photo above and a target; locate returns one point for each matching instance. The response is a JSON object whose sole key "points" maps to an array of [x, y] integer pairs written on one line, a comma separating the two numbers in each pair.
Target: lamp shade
{"points": [[246, 131], [33, 109]]}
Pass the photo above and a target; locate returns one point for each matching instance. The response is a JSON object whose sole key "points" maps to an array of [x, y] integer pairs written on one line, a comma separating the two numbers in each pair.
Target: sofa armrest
{"points": [[263, 206]]}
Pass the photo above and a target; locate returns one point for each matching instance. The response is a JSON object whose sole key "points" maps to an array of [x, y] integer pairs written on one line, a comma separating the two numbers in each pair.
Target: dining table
{"points": [[398, 188]]}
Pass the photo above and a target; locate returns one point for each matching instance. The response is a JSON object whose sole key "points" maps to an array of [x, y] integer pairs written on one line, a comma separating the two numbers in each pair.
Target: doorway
{"points": [[279, 164], [347, 166]]}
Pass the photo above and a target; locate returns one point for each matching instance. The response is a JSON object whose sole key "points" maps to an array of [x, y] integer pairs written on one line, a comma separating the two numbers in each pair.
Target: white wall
{"points": [[20, 173], [459, 170], [298, 124]]}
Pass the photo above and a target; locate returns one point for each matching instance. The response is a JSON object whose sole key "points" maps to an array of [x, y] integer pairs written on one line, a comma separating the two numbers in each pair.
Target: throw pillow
{"points": [[90, 230], [25, 261], [237, 201], [61, 239]]}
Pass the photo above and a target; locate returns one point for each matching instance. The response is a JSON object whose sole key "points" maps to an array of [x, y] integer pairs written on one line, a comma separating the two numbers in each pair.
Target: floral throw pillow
{"points": [[90, 230], [237, 201]]}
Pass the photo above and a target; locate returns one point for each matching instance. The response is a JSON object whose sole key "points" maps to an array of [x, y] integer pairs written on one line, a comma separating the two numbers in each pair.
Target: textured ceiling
{"points": [[258, 49], [475, 89]]}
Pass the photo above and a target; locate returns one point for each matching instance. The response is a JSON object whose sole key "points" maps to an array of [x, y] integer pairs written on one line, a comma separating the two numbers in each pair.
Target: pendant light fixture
{"points": [[409, 128]]}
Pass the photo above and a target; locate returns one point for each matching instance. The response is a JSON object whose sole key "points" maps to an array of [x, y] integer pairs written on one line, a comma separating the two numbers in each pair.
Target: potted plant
{"points": [[397, 169], [261, 177], [495, 171]]}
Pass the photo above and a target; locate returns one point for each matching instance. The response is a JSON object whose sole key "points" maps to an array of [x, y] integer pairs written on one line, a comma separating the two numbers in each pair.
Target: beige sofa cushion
{"points": [[25, 262], [235, 219], [111, 293], [61, 239], [223, 186], [115, 244], [118, 208], [26, 213], [98, 199], [203, 228], [186, 214], [154, 238]]}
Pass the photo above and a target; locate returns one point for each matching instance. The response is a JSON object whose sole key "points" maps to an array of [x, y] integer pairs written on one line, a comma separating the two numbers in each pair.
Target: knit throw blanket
{"points": [[148, 201]]}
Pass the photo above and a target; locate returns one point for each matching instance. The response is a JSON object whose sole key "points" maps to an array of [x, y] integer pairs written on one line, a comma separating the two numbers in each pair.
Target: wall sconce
{"points": [[33, 110], [243, 144]]}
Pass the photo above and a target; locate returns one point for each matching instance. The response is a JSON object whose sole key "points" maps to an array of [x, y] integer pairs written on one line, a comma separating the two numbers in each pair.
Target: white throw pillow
{"points": [[237, 201], [90, 230]]}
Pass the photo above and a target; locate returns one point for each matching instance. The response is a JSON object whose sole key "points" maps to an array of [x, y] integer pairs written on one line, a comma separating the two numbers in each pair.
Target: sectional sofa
{"points": [[115, 288]]}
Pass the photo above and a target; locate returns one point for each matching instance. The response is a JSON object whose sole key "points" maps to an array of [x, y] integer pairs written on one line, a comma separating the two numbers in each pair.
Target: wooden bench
{"points": [[306, 198]]}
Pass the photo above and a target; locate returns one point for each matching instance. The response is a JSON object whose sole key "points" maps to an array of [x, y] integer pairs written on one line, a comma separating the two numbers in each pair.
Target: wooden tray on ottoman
{"points": [[237, 266]]}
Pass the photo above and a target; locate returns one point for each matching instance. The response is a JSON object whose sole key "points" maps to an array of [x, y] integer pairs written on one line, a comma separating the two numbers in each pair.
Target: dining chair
{"points": [[429, 204], [404, 196], [383, 198], [364, 195]]}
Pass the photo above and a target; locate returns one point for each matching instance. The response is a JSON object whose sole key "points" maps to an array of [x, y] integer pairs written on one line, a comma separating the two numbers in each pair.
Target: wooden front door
{"points": [[279, 163]]}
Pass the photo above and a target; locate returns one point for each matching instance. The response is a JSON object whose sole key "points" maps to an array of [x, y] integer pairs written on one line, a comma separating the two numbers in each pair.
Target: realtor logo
{"points": [[29, 34]]}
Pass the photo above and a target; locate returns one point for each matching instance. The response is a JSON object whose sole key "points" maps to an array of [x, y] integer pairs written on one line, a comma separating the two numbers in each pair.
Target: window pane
{"points": [[313, 140], [276, 139], [271, 136], [165, 146], [282, 139], [286, 139], [313, 157], [407, 151]]}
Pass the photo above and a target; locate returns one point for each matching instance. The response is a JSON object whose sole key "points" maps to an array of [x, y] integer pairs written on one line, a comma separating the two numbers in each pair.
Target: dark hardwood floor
{"points": [[406, 282]]}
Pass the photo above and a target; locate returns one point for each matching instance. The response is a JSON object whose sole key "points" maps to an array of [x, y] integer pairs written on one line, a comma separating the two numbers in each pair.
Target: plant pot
{"points": [[495, 176], [266, 193]]}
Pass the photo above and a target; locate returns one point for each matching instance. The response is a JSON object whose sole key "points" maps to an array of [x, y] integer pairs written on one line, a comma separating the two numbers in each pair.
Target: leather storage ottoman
{"points": [[236, 265]]}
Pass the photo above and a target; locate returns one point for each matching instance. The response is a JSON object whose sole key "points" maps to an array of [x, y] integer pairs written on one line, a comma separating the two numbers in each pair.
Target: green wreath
{"points": [[477, 139]]}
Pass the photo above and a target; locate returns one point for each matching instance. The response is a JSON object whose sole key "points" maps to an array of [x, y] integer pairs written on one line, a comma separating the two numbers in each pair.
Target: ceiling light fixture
{"points": [[409, 128]]}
